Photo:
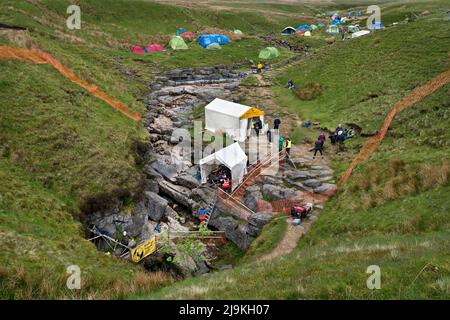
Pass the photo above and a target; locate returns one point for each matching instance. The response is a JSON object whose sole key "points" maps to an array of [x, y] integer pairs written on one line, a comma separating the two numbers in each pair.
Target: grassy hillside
{"points": [[64, 153], [394, 211]]}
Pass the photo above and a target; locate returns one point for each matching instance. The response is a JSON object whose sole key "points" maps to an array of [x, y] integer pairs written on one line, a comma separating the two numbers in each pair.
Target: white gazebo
{"points": [[231, 118], [233, 157]]}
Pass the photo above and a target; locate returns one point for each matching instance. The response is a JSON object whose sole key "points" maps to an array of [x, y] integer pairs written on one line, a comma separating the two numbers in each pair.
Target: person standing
{"points": [[276, 124], [258, 126], [322, 137], [259, 66], [269, 136], [318, 146], [288, 147], [280, 143]]}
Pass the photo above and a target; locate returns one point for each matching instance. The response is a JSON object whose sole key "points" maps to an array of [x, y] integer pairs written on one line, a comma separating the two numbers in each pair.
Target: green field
{"points": [[64, 153]]}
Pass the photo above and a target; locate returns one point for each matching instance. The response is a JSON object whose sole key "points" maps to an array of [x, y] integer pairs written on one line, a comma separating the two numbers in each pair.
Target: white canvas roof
{"points": [[222, 115], [227, 107], [360, 33], [233, 157]]}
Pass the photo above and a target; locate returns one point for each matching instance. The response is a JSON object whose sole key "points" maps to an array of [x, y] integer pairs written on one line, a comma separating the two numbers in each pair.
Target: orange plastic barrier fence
{"points": [[415, 96], [40, 57]]}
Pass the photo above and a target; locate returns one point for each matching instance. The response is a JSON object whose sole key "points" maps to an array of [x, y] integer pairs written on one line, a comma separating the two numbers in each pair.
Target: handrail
{"points": [[261, 164]]}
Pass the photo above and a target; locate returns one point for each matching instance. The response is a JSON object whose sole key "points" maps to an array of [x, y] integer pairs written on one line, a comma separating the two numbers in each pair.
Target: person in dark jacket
{"points": [[318, 146], [322, 137], [276, 124], [269, 136], [258, 126]]}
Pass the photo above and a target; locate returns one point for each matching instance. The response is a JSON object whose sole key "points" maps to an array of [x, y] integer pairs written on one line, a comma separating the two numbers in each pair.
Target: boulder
{"points": [[188, 181], [327, 188], [259, 219], [295, 175], [155, 204], [252, 197], [312, 183], [272, 192], [203, 194], [256, 222], [179, 194], [269, 179], [165, 167], [152, 185]]}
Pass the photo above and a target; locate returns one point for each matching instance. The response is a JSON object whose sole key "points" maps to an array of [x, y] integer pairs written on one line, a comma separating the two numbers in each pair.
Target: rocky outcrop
{"points": [[256, 222], [276, 192], [179, 194], [252, 197], [234, 231]]}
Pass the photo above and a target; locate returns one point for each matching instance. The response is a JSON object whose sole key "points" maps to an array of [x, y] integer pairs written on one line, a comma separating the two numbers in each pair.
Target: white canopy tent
{"points": [[233, 157], [231, 118], [360, 33]]}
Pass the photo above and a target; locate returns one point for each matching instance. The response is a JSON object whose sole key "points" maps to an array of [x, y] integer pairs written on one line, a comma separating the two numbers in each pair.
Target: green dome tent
{"points": [[269, 53], [237, 31], [214, 46], [177, 43]]}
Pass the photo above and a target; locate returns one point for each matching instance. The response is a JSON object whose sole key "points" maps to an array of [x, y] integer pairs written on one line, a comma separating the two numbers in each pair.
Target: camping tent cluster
{"points": [[207, 39], [337, 23], [178, 42], [154, 47], [304, 29]]}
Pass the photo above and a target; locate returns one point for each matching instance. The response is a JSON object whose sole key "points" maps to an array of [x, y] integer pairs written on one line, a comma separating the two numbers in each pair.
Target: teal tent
{"points": [[177, 43], [214, 46]]}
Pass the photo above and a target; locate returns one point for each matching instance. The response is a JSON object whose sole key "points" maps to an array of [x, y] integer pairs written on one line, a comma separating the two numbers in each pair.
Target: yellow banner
{"points": [[143, 250]]}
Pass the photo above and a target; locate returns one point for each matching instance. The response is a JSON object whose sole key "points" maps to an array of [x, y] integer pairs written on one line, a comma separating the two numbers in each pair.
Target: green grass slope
{"points": [[64, 153]]}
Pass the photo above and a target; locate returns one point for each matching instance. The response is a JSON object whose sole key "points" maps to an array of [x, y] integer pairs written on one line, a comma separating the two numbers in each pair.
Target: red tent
{"points": [[300, 31], [187, 35], [155, 47], [137, 50]]}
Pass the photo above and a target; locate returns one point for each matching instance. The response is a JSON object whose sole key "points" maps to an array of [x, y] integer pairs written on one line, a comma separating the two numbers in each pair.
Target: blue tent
{"points": [[358, 14], [303, 27], [180, 31], [336, 22], [206, 39]]}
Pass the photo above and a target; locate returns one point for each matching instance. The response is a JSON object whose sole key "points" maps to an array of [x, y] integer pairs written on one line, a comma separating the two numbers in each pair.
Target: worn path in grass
{"points": [[40, 57], [415, 96], [262, 96]]}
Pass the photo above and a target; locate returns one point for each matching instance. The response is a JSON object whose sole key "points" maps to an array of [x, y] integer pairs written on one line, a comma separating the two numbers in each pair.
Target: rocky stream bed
{"points": [[173, 192]]}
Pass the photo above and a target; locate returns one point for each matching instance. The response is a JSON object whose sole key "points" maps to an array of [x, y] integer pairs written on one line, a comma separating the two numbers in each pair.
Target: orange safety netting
{"points": [[415, 96], [40, 57]]}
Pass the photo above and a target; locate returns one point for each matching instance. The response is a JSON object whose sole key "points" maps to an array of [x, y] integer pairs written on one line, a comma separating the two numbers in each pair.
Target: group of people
{"points": [[257, 126], [285, 143], [340, 134], [222, 178]]}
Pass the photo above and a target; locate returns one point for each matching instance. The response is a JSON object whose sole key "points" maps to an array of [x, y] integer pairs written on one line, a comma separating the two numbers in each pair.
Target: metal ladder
{"points": [[209, 210]]}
